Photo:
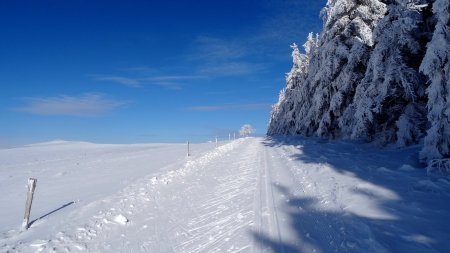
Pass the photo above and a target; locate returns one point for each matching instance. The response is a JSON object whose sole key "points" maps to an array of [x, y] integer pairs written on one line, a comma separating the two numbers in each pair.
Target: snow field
{"points": [[346, 197], [255, 195], [97, 171]]}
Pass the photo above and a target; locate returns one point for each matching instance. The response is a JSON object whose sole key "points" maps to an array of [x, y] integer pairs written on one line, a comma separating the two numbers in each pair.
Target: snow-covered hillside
{"points": [[249, 195], [72, 175]]}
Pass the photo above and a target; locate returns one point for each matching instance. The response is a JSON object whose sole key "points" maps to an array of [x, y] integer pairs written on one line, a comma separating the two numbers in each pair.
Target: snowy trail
{"points": [[258, 195], [205, 206], [342, 197]]}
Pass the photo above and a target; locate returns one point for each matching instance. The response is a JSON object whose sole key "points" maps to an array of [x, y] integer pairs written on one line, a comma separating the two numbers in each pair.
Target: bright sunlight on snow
{"points": [[251, 194]]}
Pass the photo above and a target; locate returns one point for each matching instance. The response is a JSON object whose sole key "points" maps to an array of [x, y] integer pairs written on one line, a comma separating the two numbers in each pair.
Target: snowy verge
{"points": [[98, 217]]}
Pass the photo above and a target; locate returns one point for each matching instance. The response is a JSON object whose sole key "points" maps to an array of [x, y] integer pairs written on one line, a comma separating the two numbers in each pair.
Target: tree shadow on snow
{"points": [[407, 211], [51, 212]]}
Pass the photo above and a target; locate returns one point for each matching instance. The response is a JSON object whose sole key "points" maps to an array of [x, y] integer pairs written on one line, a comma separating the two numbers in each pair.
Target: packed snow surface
{"points": [[248, 195]]}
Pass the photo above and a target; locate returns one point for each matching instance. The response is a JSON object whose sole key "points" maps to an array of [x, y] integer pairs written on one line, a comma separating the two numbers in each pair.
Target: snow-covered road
{"points": [[260, 195]]}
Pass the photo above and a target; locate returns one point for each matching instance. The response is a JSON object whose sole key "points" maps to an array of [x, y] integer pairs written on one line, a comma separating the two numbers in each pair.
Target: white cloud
{"points": [[231, 69], [167, 81], [222, 57], [141, 70], [84, 105], [227, 107], [214, 49], [169, 85], [131, 82], [173, 78], [259, 47]]}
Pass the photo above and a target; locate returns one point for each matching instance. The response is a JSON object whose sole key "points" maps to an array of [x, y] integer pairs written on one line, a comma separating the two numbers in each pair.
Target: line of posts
{"points": [[32, 187], [216, 143]]}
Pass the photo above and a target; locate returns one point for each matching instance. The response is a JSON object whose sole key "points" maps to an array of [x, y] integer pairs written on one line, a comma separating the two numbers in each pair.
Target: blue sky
{"points": [[144, 71]]}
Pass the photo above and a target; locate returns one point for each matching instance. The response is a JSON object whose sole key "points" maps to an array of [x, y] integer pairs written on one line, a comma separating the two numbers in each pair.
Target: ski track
{"points": [[329, 232], [216, 190], [246, 196]]}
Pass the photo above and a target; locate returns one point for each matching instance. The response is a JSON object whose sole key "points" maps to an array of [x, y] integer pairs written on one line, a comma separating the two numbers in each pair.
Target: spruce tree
{"points": [[344, 49], [389, 103], [283, 113], [436, 65]]}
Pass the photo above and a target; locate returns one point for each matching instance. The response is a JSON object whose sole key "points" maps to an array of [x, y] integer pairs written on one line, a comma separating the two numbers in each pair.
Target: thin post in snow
{"points": [[234, 136], [188, 153], [229, 137], [31, 188], [216, 141]]}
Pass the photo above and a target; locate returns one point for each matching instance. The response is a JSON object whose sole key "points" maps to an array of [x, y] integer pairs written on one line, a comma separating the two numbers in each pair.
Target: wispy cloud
{"points": [[290, 21], [84, 105], [174, 82], [231, 69], [258, 48], [214, 49], [229, 107], [143, 70], [168, 85], [173, 78], [131, 82], [215, 57]]}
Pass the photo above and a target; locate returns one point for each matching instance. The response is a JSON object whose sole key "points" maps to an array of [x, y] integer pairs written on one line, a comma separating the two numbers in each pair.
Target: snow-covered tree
{"points": [[283, 117], [389, 102], [304, 94], [246, 130], [376, 68], [277, 116], [340, 64], [436, 65], [299, 70]]}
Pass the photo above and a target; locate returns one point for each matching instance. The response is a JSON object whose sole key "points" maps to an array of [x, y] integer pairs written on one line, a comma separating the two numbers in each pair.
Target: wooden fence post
{"points": [[188, 154], [26, 217]]}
